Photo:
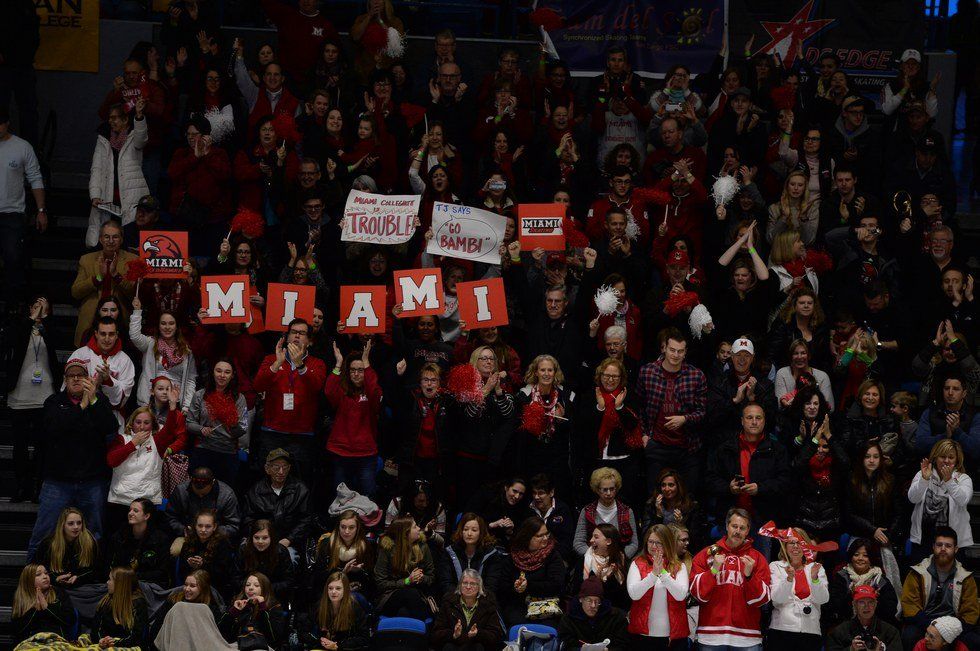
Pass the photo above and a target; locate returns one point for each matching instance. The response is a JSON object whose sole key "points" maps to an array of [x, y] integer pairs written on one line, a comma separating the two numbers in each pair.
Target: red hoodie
{"points": [[355, 425]]}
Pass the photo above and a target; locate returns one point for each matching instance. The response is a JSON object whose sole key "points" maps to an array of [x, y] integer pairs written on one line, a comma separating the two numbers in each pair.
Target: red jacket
{"points": [[251, 180], [305, 388], [686, 214], [730, 603], [300, 37], [642, 204], [639, 616], [172, 435], [355, 425], [204, 180], [286, 105]]}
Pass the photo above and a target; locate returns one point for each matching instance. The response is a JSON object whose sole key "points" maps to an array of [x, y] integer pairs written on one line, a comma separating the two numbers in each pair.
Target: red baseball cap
{"points": [[678, 258], [864, 592]]}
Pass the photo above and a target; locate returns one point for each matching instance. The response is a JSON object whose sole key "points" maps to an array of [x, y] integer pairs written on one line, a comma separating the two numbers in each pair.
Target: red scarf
{"points": [[528, 561], [610, 417], [550, 403], [801, 587], [94, 347], [820, 469]]}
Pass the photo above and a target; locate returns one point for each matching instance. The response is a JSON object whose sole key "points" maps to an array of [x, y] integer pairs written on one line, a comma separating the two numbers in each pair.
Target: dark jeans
{"points": [[21, 82], [646, 643], [358, 473], [781, 640], [407, 602], [26, 425], [301, 448], [684, 461], [89, 497], [224, 465], [13, 232]]}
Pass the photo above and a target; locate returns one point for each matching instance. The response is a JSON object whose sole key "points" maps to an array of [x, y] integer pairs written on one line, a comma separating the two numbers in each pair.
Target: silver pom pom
{"points": [[222, 125], [606, 300], [632, 228], [724, 190], [396, 44]]}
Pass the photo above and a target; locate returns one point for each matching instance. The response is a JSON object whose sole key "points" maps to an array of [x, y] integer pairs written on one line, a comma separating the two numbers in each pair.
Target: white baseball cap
{"points": [[743, 344], [910, 53]]}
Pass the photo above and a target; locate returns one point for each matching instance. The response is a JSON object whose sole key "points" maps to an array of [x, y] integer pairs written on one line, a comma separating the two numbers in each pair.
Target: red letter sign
{"points": [[419, 292], [540, 225], [165, 253], [482, 303], [287, 302], [225, 298], [362, 308]]}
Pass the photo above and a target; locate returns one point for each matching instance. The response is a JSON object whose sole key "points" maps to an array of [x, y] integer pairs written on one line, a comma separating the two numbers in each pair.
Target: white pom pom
{"points": [[724, 190], [632, 228], [222, 125], [606, 300], [396, 44], [698, 320]]}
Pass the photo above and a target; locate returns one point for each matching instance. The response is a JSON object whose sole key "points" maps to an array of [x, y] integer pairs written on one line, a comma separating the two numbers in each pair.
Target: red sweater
{"points": [[355, 425], [305, 387], [172, 435], [205, 180], [300, 37], [730, 603]]}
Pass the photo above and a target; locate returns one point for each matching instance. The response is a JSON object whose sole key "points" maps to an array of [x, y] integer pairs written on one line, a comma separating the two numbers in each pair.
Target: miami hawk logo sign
{"points": [[165, 253]]}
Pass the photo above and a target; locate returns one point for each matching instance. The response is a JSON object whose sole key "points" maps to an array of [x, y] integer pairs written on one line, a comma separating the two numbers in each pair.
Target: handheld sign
{"points": [[420, 292], [540, 225], [165, 253], [466, 233], [362, 308], [482, 303], [226, 299], [379, 218], [287, 302]]}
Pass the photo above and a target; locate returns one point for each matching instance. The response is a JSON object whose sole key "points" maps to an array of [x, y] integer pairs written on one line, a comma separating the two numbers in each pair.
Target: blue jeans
{"points": [[357, 472], [728, 647], [89, 497]]}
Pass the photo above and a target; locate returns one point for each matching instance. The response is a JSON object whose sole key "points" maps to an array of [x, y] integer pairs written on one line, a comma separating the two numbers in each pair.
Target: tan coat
{"points": [[87, 293]]}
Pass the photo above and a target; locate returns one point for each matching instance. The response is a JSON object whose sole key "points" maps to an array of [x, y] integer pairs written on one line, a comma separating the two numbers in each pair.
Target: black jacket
{"points": [[587, 421], [59, 617], [184, 504], [723, 417], [264, 620], [609, 623], [289, 510], [866, 512], [282, 577], [782, 334], [818, 505], [489, 631], [451, 562], [218, 562], [104, 625], [854, 427], [561, 522], [71, 563], [768, 467], [356, 638], [75, 439], [149, 556], [841, 605], [19, 337], [408, 420]]}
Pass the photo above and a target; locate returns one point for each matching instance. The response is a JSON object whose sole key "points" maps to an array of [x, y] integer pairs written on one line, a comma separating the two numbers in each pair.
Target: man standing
{"points": [[101, 274], [283, 499], [672, 393], [110, 368], [301, 30], [736, 387], [731, 580], [77, 424], [556, 514], [851, 635], [19, 37], [19, 163]]}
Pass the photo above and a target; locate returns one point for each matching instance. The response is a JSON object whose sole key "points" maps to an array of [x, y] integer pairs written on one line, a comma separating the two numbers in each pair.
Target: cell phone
{"points": [[497, 185], [672, 107], [740, 480]]}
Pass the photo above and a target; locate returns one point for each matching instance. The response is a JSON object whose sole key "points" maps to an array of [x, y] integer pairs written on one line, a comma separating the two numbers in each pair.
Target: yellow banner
{"points": [[69, 35]]}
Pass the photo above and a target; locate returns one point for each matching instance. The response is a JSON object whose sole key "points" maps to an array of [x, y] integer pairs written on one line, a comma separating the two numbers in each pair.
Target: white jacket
{"points": [[786, 278], [787, 612], [184, 375], [122, 371], [132, 184], [139, 475], [959, 490]]}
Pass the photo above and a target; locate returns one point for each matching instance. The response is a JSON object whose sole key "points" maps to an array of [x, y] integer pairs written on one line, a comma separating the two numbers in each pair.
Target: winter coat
{"points": [[263, 619], [855, 428], [362, 580], [870, 511], [137, 472], [290, 510], [575, 629], [453, 560], [841, 637], [184, 504], [122, 170], [624, 440], [103, 625], [768, 467], [932, 429], [75, 438], [282, 577], [149, 556], [724, 417], [86, 290], [219, 561], [485, 618], [918, 587], [841, 604], [388, 580], [958, 491], [546, 582], [818, 506], [59, 618], [70, 563], [788, 612], [356, 638]]}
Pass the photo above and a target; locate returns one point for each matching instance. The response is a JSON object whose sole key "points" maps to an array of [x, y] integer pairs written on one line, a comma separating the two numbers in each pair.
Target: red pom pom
{"points": [[681, 301], [574, 238], [534, 420], [249, 223], [819, 261], [465, 384], [547, 18], [783, 97], [660, 197], [222, 408], [285, 127], [136, 269], [375, 38]]}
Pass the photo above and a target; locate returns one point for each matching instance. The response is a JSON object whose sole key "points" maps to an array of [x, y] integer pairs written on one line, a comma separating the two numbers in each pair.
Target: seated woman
{"points": [[207, 548], [534, 576], [940, 494], [404, 571], [467, 619], [418, 501], [605, 560], [121, 619], [471, 548], [657, 584], [196, 590], [346, 549], [672, 504], [502, 506], [143, 546], [261, 552], [605, 483], [337, 620], [863, 567], [799, 589], [253, 619], [38, 608], [71, 553]]}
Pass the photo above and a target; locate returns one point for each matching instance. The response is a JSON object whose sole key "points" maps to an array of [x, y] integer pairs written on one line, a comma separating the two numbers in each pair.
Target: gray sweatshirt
{"points": [[17, 163]]}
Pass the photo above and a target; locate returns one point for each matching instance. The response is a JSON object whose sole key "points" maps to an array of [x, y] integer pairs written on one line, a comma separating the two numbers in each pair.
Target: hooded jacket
{"points": [[919, 585], [576, 629], [120, 171]]}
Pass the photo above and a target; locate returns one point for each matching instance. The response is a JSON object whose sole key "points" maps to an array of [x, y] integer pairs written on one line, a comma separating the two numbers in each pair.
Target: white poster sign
{"points": [[466, 233]]}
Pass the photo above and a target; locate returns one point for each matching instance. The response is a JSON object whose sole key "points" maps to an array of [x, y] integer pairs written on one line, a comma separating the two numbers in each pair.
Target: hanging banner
{"points": [[539, 225], [868, 37], [420, 292], [482, 303], [362, 309], [165, 253], [380, 218], [284, 303], [225, 299], [69, 35], [656, 34], [466, 233]]}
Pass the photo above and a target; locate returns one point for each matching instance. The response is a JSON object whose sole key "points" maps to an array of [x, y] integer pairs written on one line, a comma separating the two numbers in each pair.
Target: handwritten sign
{"points": [[466, 233], [379, 218]]}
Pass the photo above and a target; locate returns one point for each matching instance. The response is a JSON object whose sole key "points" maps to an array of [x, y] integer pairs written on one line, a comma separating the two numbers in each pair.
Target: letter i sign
{"points": [[482, 303]]}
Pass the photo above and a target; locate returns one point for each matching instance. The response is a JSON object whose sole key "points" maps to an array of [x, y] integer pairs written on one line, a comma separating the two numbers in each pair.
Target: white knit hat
{"points": [[698, 319], [949, 627]]}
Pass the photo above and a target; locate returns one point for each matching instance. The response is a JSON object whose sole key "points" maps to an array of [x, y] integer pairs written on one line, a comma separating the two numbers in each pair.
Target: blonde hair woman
{"points": [[38, 607], [606, 509], [794, 210], [799, 589], [543, 426], [657, 583], [940, 493], [121, 618], [70, 552]]}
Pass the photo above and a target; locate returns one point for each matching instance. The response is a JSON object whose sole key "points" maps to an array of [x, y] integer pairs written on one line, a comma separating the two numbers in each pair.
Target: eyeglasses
{"points": [[812, 139], [610, 376], [487, 358], [294, 331], [75, 376]]}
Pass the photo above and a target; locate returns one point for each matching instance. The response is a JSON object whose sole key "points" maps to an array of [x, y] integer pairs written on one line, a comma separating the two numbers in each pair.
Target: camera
{"points": [[869, 641], [673, 107], [497, 185]]}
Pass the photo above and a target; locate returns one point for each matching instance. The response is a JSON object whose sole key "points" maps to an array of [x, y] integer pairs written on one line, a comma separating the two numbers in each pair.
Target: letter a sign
{"points": [[288, 302], [482, 303], [419, 292], [225, 299], [362, 309]]}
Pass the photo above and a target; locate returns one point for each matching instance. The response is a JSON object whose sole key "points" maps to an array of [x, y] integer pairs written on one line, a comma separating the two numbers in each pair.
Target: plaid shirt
{"points": [[690, 391]]}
